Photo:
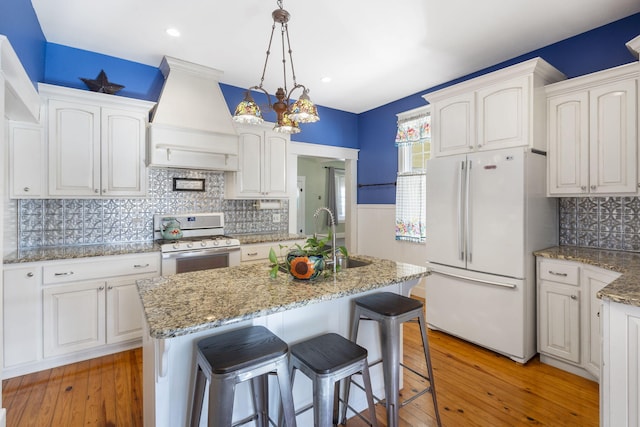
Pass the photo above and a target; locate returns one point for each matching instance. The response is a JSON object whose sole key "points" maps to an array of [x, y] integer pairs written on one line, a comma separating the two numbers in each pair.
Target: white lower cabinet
{"points": [[559, 323], [74, 317], [22, 315], [620, 386], [57, 312], [569, 327]]}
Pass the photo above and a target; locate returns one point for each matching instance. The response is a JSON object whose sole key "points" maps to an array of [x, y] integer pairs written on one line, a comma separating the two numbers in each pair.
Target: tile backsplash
{"points": [[601, 222], [67, 222]]}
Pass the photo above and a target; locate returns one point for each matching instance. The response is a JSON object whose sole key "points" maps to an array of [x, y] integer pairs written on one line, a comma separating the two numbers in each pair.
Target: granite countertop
{"points": [[80, 251], [625, 289], [247, 239], [186, 303]]}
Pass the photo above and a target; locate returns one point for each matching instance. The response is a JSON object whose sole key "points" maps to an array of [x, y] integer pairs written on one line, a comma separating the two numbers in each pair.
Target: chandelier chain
{"points": [[284, 30], [266, 61]]}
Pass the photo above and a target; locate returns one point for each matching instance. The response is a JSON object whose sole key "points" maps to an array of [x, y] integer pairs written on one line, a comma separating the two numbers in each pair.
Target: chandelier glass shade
{"points": [[289, 114]]}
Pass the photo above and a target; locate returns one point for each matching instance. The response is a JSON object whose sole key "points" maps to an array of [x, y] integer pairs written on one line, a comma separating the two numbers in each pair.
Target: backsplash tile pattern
{"points": [[601, 222], [69, 222]]}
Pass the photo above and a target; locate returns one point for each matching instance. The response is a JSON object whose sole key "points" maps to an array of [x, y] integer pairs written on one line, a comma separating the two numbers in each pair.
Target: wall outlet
{"points": [[276, 217]]}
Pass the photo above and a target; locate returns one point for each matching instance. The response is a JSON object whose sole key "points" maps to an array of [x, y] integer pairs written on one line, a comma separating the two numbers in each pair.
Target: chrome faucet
{"points": [[333, 233]]}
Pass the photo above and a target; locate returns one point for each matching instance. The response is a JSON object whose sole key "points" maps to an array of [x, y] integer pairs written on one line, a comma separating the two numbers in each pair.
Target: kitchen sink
{"points": [[355, 263]]}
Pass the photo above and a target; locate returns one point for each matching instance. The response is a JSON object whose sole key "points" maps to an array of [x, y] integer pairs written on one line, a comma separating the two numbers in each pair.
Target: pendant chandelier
{"points": [[289, 115]]}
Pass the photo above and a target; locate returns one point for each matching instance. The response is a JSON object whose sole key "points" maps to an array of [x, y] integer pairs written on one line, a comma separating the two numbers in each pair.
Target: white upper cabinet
{"points": [[593, 134], [27, 173], [452, 125], [501, 109], [503, 114], [96, 143], [262, 158]]}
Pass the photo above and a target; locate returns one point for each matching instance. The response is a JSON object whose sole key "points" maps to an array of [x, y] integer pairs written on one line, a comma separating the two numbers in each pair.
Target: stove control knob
{"points": [[189, 245], [216, 243], [176, 246], [203, 243]]}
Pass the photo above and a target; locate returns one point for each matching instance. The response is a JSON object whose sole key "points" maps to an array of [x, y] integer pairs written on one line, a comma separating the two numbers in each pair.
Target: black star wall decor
{"points": [[101, 84]]}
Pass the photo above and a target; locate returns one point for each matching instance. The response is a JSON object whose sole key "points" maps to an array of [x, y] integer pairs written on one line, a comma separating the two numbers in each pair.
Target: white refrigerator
{"points": [[486, 213]]}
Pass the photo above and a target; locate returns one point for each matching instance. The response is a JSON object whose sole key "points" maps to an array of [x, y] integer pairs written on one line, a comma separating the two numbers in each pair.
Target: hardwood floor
{"points": [[475, 387]]}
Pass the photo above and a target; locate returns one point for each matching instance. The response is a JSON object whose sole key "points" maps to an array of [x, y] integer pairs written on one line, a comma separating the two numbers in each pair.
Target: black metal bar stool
{"points": [[328, 359], [236, 356], [390, 311]]}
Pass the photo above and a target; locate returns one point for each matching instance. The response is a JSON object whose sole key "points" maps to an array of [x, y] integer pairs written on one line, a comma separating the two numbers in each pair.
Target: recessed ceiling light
{"points": [[325, 79], [173, 32]]}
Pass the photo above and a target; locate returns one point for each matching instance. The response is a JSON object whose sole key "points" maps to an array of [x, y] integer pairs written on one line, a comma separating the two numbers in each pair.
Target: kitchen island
{"points": [[183, 308]]}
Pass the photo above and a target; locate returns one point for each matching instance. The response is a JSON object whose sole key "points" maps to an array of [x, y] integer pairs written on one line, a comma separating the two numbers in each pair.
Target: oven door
{"points": [[201, 259]]}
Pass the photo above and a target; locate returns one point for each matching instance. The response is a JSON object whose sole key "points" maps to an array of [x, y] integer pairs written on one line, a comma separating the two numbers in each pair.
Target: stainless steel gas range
{"points": [[200, 242]]}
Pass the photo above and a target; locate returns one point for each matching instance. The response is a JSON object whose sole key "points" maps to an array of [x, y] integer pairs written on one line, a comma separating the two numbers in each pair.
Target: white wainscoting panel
{"points": [[376, 237]]}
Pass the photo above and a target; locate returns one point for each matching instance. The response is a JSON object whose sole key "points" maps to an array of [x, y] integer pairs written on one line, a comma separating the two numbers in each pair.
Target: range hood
{"points": [[191, 126]]}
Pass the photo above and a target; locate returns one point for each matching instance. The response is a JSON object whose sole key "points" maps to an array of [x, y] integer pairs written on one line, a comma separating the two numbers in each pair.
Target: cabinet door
{"points": [[613, 119], [26, 165], [454, 125], [74, 317], [503, 114], [275, 165], [559, 332], [22, 315], [568, 155], [124, 310], [249, 176], [74, 149], [123, 148], [592, 281]]}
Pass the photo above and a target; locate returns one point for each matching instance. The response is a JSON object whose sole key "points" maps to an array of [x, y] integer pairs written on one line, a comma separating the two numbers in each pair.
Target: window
{"points": [[413, 140]]}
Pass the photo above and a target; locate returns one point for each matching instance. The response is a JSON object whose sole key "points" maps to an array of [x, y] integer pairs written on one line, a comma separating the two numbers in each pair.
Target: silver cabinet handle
{"points": [[66, 273], [30, 274], [583, 188], [140, 265], [461, 175], [574, 297], [26, 189], [101, 288], [593, 187], [486, 282], [252, 254], [467, 213], [557, 274], [110, 288]]}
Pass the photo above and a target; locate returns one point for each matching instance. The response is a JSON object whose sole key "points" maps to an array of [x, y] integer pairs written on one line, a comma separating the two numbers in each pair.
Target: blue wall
{"points": [[372, 132], [18, 21], [595, 50]]}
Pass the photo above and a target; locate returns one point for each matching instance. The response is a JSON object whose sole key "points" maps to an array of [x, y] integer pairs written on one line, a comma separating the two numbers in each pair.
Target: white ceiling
{"points": [[375, 51]]}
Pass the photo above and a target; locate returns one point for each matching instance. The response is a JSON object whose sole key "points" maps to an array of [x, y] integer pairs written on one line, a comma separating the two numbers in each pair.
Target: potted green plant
{"points": [[305, 262]]}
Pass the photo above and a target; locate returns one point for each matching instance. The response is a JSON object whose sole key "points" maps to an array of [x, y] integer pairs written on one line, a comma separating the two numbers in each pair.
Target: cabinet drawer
{"points": [[260, 251], [255, 252], [89, 269], [561, 272]]}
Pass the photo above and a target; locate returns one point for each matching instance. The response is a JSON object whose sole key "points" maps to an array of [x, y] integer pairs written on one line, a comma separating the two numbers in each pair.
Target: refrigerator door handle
{"points": [[485, 282], [468, 212], [461, 178]]}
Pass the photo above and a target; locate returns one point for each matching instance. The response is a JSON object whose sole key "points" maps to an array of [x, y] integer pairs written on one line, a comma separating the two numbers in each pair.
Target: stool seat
{"points": [[238, 349], [229, 358], [328, 353], [326, 360], [388, 303]]}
